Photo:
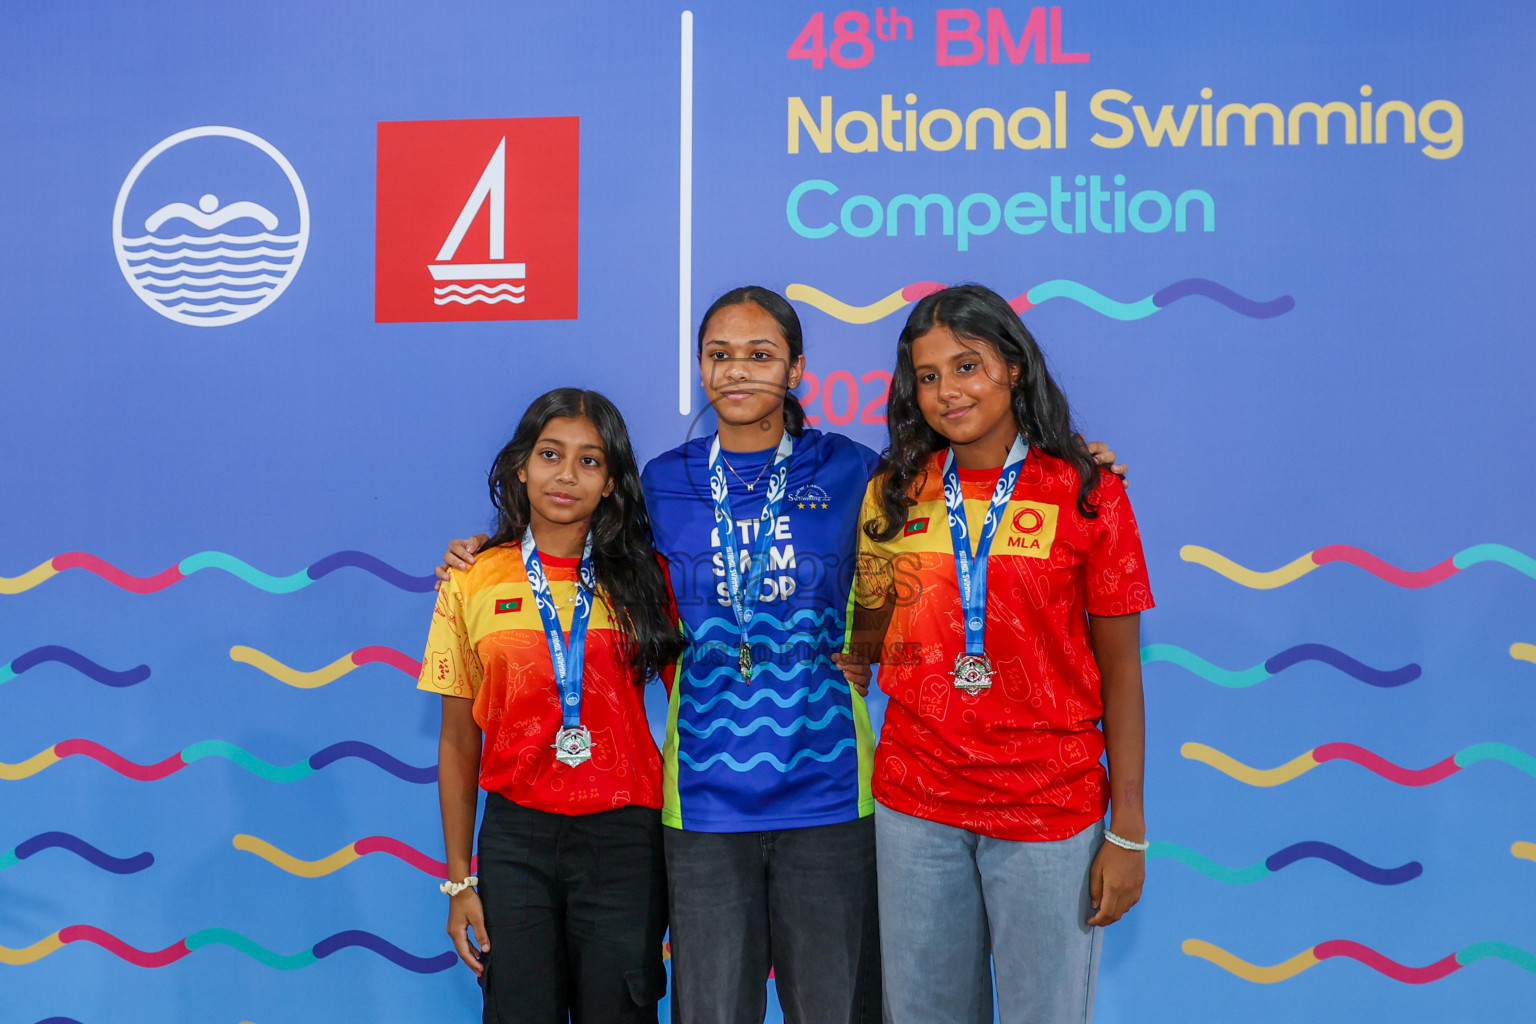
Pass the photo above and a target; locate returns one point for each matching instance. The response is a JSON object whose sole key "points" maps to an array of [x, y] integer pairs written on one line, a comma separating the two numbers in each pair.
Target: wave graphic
{"points": [[344, 856], [210, 277], [1277, 664], [153, 281], [1269, 580], [330, 673], [786, 673], [814, 616], [151, 273], [1044, 292], [215, 252], [223, 562], [225, 937], [72, 659], [1280, 859], [1309, 958], [80, 848], [803, 723], [157, 241], [1304, 763], [764, 757], [465, 301], [786, 701], [50, 756], [459, 289]]}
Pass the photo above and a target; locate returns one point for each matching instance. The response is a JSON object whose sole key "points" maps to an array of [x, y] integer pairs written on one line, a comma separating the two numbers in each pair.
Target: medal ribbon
{"points": [[972, 570], [745, 593], [567, 657]]}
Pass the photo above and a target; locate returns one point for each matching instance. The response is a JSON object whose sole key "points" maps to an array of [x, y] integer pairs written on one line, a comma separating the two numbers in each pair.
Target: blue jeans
{"points": [[949, 897]]}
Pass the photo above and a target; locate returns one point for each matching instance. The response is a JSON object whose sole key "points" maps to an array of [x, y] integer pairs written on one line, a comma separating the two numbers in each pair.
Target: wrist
{"points": [[1129, 826]]}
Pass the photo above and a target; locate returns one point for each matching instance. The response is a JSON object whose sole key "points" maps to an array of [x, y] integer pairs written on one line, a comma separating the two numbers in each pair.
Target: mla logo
{"points": [[477, 220], [1031, 530], [232, 254]]}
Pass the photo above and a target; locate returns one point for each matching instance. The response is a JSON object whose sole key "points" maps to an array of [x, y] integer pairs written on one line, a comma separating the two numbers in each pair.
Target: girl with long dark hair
{"points": [[993, 544], [540, 652]]}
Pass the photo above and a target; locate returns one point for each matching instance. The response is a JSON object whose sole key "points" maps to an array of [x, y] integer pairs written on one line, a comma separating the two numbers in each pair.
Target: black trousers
{"points": [[801, 901], [576, 910]]}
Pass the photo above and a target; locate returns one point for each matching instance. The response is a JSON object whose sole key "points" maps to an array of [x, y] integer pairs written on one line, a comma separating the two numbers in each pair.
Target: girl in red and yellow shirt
{"points": [[571, 878], [989, 787]]}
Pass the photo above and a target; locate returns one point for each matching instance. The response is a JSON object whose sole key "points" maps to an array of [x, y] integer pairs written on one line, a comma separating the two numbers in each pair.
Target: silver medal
{"points": [[573, 745], [973, 673]]}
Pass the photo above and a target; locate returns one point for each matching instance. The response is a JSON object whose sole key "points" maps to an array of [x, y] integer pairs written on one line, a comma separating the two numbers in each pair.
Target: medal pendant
{"points": [[745, 661], [973, 673], [574, 745]]}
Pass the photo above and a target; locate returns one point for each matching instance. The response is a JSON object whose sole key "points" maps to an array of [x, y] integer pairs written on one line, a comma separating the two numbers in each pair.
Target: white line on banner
{"points": [[685, 221]]}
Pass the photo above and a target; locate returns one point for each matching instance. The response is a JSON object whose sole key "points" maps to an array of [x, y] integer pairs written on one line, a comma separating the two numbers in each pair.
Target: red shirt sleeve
{"points": [[669, 672], [1117, 569]]}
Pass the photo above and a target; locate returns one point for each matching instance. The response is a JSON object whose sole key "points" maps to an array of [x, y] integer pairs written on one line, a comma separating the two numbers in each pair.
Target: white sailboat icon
{"points": [[490, 190]]}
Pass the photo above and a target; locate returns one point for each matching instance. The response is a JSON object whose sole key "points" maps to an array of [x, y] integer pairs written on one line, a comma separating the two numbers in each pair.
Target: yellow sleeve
{"points": [[873, 577], [451, 665]]}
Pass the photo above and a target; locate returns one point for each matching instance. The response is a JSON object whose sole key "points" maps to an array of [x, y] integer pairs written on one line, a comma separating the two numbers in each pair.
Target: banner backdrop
{"points": [[279, 280]]}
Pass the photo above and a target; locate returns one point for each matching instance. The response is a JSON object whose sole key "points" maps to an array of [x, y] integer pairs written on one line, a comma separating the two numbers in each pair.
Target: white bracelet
{"points": [[454, 888], [1124, 843]]}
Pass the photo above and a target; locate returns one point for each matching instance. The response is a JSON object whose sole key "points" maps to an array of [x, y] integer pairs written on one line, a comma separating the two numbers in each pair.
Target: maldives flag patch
{"points": [[511, 604], [916, 527]]}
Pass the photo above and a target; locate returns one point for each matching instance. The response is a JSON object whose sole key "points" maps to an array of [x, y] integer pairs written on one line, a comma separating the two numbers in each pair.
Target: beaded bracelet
{"points": [[454, 888], [1124, 843]]}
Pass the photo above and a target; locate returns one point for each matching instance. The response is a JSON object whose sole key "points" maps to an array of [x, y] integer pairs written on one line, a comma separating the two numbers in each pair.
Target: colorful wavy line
{"points": [[330, 673], [344, 856], [224, 937], [1524, 850], [80, 848], [1304, 763], [1524, 652], [1285, 858], [75, 660], [1044, 292], [1277, 664], [764, 757], [1309, 958], [1269, 580], [221, 561], [218, 748]]}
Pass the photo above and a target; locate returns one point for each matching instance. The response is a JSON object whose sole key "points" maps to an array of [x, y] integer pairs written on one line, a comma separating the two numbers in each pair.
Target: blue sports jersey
{"points": [[794, 747]]}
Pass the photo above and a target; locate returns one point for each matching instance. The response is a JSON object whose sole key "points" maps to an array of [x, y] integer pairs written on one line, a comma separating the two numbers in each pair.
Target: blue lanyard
{"points": [[745, 593], [568, 658], [972, 571]]}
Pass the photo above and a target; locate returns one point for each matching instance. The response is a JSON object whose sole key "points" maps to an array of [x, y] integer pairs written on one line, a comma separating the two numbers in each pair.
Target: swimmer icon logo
{"points": [[210, 226], [477, 220]]}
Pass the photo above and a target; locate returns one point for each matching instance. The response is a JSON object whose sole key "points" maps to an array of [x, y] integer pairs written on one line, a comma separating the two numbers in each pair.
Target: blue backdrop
{"points": [[1321, 382]]}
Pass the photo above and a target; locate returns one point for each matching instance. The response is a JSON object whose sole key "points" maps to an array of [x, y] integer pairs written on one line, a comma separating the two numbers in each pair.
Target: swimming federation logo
{"points": [[477, 220], [210, 226]]}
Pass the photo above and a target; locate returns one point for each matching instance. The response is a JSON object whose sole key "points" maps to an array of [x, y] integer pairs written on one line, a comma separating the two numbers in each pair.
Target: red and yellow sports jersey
{"points": [[1020, 760], [487, 644]]}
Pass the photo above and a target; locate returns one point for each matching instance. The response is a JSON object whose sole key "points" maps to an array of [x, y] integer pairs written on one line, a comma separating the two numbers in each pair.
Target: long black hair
{"points": [[778, 307], [979, 314], [623, 553]]}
